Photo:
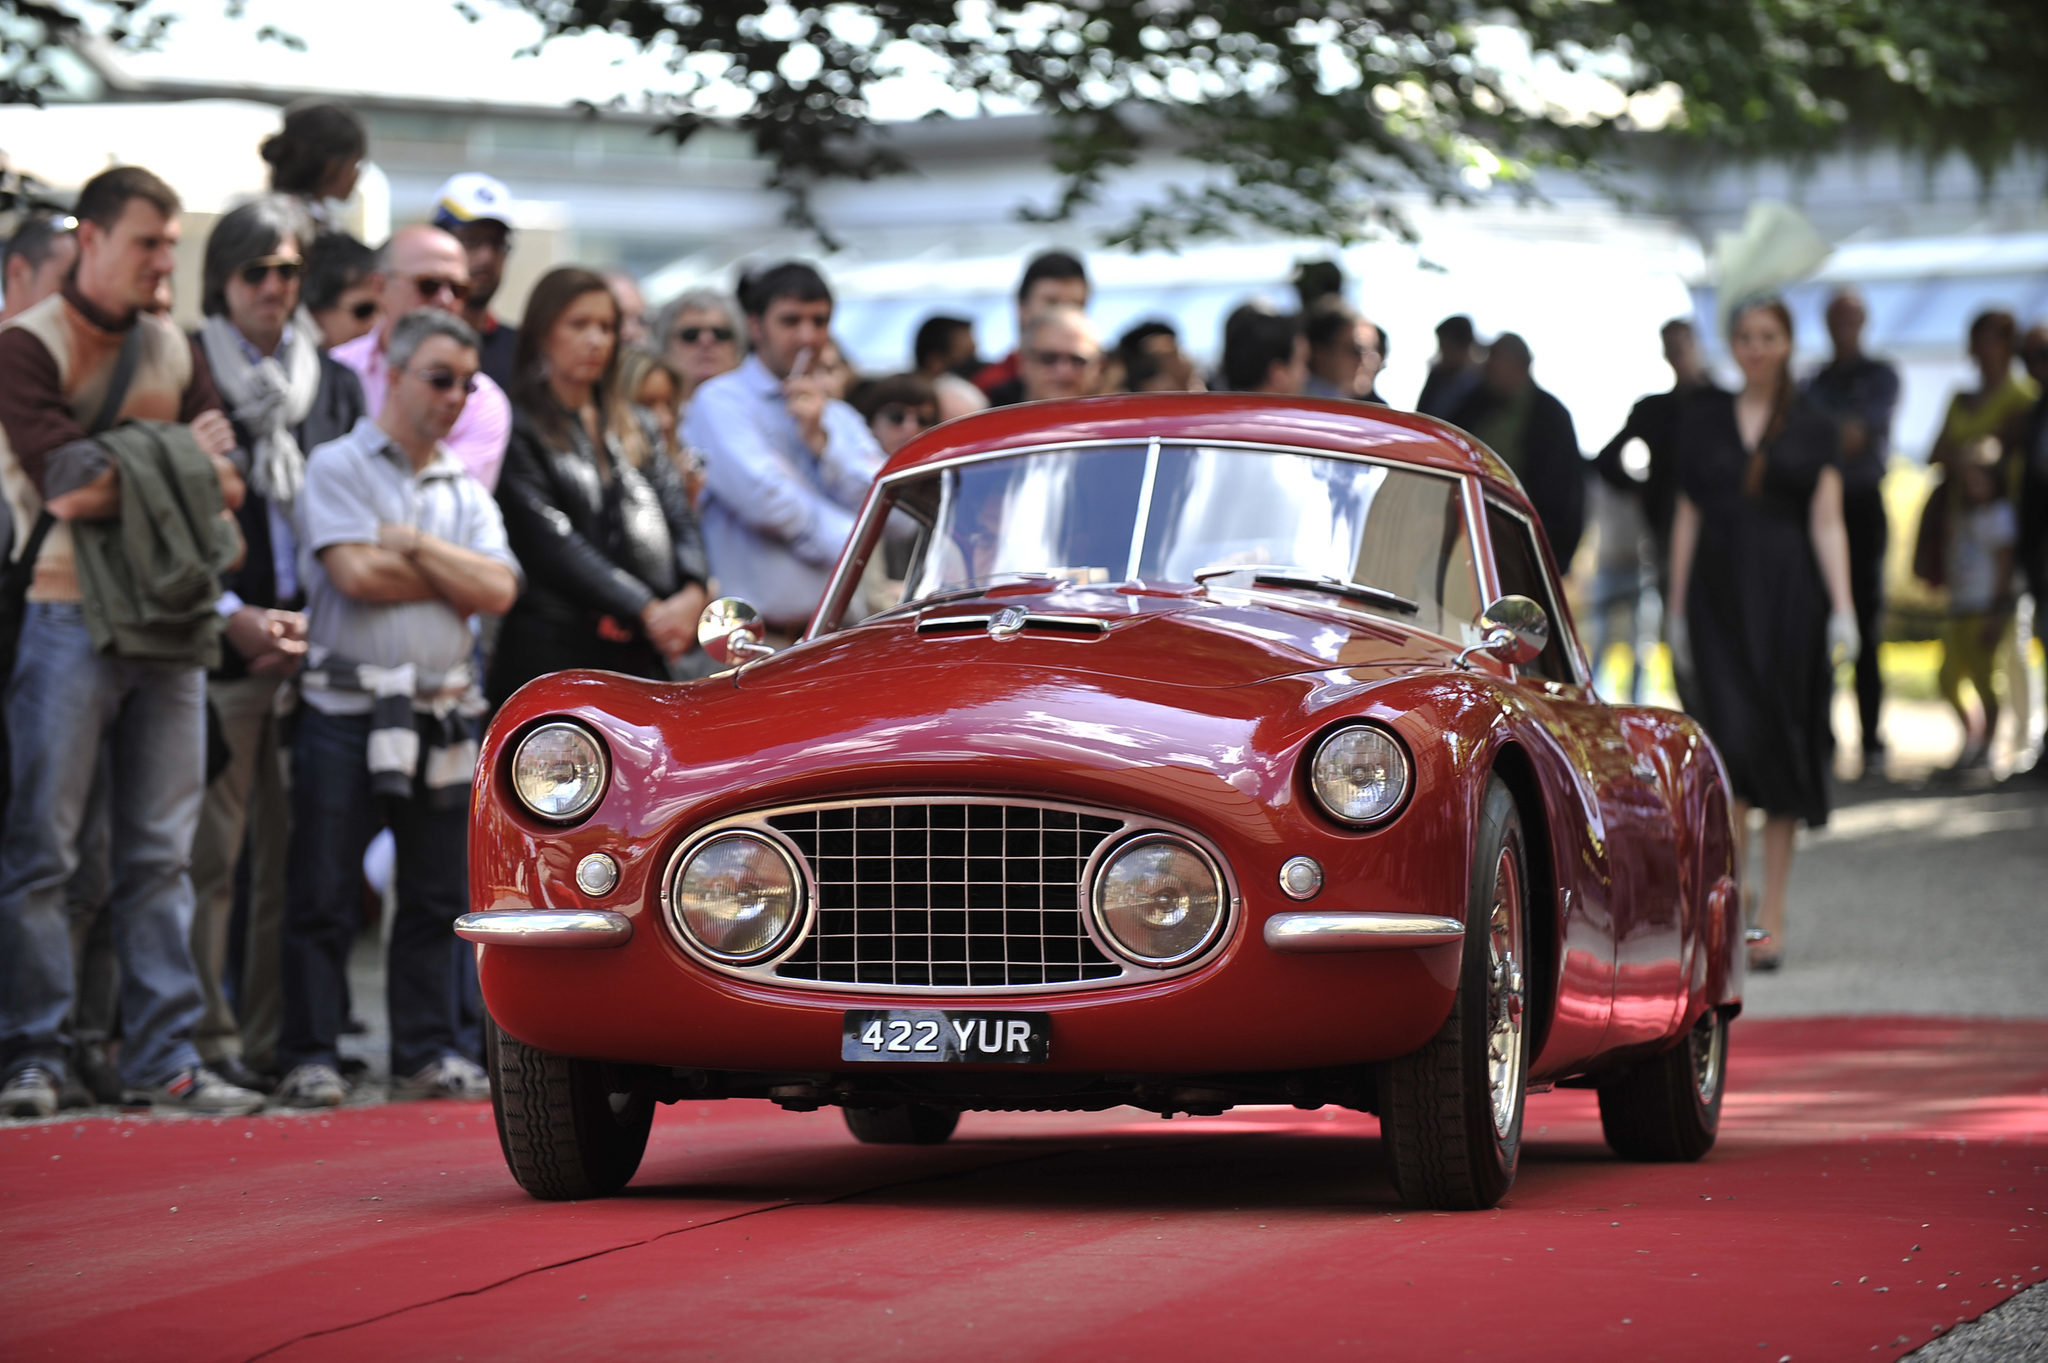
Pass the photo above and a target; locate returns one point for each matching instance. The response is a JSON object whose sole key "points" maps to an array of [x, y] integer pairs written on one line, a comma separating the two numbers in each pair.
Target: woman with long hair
{"points": [[614, 559], [1760, 572]]}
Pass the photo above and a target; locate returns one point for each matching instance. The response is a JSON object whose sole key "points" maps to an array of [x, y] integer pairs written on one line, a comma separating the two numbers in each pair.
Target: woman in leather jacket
{"points": [[614, 559]]}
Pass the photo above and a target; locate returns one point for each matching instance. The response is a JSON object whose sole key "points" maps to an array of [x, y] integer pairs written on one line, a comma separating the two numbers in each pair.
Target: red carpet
{"points": [[1875, 1182]]}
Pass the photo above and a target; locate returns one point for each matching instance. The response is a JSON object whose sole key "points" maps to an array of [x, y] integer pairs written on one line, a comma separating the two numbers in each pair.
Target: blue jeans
{"points": [[334, 816], [64, 700]]}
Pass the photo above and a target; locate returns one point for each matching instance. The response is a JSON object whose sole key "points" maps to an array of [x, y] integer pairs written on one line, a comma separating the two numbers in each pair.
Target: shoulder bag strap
{"points": [[118, 384]]}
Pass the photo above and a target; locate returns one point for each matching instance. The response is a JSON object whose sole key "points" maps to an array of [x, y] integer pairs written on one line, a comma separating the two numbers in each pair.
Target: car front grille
{"points": [[947, 895]]}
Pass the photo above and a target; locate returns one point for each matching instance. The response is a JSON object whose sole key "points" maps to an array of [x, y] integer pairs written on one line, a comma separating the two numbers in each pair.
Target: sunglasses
{"points": [[256, 271], [363, 310], [896, 415], [444, 380], [692, 335], [1054, 358], [432, 287]]}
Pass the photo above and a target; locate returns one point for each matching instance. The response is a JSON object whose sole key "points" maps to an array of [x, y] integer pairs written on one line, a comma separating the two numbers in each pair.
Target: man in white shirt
{"points": [[400, 549]]}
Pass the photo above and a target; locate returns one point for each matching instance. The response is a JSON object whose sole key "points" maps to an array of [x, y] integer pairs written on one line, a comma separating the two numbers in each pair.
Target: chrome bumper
{"points": [[1343, 931], [562, 929]]}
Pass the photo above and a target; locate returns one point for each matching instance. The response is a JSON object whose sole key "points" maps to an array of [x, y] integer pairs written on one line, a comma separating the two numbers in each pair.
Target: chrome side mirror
{"points": [[730, 632], [1513, 630]]}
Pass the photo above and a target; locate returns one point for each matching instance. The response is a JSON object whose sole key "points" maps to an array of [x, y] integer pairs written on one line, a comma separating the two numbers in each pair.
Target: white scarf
{"points": [[269, 398]]}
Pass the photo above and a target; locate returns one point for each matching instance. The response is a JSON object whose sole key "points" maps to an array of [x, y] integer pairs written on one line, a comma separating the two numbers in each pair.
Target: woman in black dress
{"points": [[1760, 559], [613, 555]]}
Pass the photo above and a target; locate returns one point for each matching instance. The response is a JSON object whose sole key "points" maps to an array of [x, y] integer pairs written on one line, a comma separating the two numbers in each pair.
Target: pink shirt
{"points": [[478, 440]]}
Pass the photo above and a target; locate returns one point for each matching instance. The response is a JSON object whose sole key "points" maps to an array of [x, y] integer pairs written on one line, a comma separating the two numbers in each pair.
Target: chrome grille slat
{"points": [[939, 894]]}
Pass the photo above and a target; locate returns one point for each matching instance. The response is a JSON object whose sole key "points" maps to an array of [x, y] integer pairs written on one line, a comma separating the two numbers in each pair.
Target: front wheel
{"points": [[1451, 1113], [910, 1124], [569, 1128], [1669, 1109]]}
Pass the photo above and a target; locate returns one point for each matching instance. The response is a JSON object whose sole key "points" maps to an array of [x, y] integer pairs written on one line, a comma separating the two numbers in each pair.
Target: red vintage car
{"points": [[1175, 752]]}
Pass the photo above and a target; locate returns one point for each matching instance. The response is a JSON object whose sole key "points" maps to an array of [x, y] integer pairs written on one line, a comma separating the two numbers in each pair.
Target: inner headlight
{"points": [[1160, 900], [1360, 774], [558, 771], [737, 896]]}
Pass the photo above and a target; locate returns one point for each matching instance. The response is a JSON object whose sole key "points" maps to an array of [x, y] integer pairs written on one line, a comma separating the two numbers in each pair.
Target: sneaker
{"points": [[451, 1076], [32, 1092], [200, 1091], [312, 1086]]}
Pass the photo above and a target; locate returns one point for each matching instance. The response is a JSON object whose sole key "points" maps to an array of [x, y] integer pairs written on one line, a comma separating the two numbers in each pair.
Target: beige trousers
{"points": [[248, 797]]}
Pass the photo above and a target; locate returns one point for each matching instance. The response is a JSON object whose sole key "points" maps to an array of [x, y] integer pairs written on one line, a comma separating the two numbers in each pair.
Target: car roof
{"points": [[1339, 426]]}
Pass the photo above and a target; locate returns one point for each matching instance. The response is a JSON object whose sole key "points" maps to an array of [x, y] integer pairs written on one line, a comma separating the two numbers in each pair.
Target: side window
{"points": [[1521, 574]]}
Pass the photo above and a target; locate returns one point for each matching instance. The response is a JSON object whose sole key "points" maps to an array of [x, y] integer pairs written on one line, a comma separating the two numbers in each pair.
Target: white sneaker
{"points": [[312, 1086], [199, 1090], [451, 1076], [32, 1092]]}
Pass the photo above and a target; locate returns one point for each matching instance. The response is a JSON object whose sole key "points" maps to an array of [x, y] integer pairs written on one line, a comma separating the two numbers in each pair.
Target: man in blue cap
{"points": [[476, 210]]}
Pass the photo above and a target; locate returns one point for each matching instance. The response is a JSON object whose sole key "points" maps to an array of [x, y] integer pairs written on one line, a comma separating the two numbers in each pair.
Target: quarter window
{"points": [[1520, 566]]}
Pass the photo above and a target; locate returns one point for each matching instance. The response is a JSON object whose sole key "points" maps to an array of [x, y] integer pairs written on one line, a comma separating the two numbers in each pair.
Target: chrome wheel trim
{"points": [[1708, 1046], [1506, 995]]}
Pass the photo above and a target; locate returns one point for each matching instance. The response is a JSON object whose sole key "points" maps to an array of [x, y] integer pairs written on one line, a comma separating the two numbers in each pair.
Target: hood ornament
{"points": [[1006, 623]]}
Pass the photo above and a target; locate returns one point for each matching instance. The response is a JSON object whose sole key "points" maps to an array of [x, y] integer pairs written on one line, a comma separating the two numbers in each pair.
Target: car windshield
{"points": [[1168, 513]]}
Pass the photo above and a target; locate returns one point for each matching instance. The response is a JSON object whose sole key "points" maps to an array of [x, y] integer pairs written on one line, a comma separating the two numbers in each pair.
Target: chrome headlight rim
{"points": [[793, 932], [1336, 816], [604, 770], [1098, 873]]}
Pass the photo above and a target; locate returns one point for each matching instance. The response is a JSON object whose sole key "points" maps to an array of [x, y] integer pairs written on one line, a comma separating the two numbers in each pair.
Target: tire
{"points": [[1451, 1113], [910, 1124], [1668, 1110], [568, 1128]]}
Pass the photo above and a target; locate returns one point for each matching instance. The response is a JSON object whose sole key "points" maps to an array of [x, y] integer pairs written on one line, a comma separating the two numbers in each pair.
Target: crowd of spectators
{"points": [[412, 506]]}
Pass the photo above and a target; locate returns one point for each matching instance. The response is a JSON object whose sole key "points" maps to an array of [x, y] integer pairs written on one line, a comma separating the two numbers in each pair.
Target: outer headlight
{"points": [[738, 896], [1360, 774], [559, 771], [1159, 900]]}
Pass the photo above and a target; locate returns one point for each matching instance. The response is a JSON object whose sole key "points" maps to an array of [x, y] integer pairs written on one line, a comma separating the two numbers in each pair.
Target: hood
{"points": [[1148, 636]]}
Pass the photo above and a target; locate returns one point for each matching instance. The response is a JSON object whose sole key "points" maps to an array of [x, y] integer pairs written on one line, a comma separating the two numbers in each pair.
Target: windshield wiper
{"points": [[979, 587], [1276, 575]]}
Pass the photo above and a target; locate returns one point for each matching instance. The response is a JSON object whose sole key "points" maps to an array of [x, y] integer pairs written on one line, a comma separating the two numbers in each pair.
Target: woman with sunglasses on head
{"points": [[284, 398], [1760, 586], [599, 519]]}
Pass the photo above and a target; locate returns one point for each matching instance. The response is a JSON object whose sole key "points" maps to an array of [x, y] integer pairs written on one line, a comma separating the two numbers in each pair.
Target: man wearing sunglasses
{"points": [[402, 548], [425, 267], [38, 256], [284, 398]]}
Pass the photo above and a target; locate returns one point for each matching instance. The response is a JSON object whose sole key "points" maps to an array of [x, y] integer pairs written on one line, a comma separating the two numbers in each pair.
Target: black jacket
{"points": [[1553, 471], [2033, 543], [592, 548], [336, 410], [1654, 421]]}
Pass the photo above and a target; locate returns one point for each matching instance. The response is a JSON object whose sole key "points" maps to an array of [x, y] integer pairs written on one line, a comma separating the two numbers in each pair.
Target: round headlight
{"points": [[1360, 774], [737, 896], [558, 771], [1160, 900]]}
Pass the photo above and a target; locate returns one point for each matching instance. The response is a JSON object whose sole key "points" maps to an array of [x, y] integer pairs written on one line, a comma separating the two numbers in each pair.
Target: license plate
{"points": [[943, 1037]]}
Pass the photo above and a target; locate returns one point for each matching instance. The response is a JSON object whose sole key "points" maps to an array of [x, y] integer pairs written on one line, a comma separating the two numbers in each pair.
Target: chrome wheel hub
{"points": [[1506, 995], [1708, 1047]]}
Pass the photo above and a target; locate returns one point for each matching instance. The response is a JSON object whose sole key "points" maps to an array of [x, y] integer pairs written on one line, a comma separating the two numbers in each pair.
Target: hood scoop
{"points": [[1011, 621]]}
